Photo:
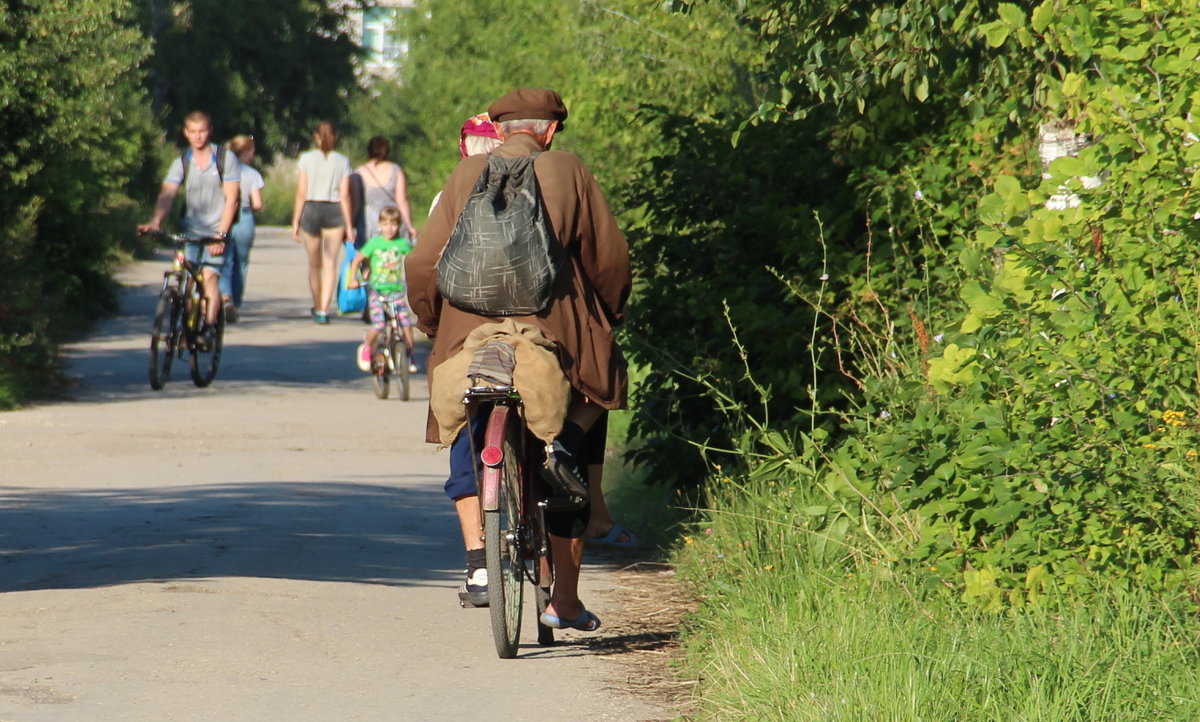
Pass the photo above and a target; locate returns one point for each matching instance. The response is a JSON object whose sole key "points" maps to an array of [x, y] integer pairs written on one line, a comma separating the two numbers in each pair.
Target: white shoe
{"points": [[363, 356]]}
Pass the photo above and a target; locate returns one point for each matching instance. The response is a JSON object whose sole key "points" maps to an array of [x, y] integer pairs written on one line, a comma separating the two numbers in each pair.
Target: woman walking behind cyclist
{"points": [[233, 283], [384, 185], [321, 215]]}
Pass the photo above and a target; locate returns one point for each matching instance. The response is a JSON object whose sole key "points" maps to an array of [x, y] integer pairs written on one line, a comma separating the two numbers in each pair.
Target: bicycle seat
{"points": [[493, 365]]}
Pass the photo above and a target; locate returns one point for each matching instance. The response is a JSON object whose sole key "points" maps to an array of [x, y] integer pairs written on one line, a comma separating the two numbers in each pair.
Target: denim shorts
{"points": [[461, 481], [567, 524], [199, 253]]}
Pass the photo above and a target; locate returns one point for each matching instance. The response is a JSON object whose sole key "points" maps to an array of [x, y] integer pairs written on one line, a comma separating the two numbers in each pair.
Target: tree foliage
{"points": [[608, 60], [272, 68], [1028, 398], [77, 130]]}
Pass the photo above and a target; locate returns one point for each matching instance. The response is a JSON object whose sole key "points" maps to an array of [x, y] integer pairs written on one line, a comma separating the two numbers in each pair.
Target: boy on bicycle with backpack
{"points": [[381, 261], [211, 179]]}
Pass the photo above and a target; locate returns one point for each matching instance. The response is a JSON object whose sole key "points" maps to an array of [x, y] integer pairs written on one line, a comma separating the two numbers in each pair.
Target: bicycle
{"points": [[391, 355], [179, 319], [513, 504]]}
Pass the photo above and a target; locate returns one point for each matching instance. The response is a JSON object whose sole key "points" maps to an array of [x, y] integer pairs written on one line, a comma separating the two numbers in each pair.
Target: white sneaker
{"points": [[363, 356], [475, 591]]}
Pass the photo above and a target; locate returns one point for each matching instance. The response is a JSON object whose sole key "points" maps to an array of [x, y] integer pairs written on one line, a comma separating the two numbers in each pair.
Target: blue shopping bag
{"points": [[349, 300]]}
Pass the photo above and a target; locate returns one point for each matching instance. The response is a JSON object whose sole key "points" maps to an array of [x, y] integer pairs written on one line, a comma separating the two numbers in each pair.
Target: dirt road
{"points": [[275, 547]]}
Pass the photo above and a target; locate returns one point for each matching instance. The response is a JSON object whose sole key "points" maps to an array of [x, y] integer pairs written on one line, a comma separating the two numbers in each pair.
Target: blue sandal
{"points": [[587, 622], [613, 540]]}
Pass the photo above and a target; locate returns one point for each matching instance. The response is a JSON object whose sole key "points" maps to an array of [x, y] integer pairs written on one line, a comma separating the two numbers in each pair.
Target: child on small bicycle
{"points": [[381, 262]]}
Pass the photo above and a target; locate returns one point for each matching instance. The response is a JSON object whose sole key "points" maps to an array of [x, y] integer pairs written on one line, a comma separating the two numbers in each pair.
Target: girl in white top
{"points": [[233, 284], [321, 215]]}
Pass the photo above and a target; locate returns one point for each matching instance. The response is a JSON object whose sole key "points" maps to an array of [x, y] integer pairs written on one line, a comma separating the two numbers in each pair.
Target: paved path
{"points": [[274, 547]]}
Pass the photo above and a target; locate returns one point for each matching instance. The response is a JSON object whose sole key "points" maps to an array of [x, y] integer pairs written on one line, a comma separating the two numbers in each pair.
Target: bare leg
{"points": [[599, 520], [331, 245], [312, 247], [584, 414], [564, 597], [212, 292], [471, 521]]}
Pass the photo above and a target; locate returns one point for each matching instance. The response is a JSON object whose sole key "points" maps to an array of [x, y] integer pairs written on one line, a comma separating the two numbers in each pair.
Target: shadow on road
{"points": [[305, 531]]}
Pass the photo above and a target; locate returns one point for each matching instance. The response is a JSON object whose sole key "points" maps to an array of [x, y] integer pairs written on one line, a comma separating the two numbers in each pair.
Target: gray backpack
{"points": [[502, 257]]}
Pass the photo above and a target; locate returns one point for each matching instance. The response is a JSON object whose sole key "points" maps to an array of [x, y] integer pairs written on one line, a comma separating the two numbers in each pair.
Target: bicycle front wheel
{"points": [[205, 363], [164, 337], [502, 529]]}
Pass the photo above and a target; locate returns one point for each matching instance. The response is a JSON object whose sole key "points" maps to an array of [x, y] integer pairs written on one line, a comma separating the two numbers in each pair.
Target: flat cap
{"points": [[528, 104]]}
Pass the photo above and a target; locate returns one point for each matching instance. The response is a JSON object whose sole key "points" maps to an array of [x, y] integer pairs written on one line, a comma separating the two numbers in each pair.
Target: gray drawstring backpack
{"points": [[502, 257]]}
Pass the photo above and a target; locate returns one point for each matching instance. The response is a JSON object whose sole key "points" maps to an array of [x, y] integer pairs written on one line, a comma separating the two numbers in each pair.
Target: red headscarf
{"points": [[475, 125]]}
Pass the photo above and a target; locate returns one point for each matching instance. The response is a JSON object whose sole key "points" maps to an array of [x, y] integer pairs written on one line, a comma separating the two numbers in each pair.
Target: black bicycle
{"points": [[179, 319], [392, 355]]}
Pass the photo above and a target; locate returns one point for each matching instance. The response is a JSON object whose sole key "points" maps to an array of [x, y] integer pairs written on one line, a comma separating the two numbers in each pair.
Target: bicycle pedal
{"points": [[563, 503]]}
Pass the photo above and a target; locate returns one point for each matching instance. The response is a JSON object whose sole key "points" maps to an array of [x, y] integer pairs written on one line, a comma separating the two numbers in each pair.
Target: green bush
{"points": [[1051, 434], [77, 129]]}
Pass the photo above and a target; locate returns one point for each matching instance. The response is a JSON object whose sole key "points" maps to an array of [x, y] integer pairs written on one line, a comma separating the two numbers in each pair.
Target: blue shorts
{"points": [[565, 524], [198, 253], [462, 471]]}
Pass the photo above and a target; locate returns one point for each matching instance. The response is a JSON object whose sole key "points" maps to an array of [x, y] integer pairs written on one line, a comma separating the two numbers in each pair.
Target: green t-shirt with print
{"points": [[386, 259]]}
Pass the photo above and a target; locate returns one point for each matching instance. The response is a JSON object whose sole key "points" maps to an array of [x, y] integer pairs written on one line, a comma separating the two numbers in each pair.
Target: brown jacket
{"points": [[590, 293]]}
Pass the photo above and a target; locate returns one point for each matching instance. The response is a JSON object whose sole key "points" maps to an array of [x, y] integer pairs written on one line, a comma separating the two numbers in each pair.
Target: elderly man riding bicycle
{"points": [[587, 300]]}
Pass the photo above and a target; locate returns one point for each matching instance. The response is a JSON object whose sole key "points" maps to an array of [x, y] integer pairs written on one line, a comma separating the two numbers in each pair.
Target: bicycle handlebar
{"points": [[180, 238]]}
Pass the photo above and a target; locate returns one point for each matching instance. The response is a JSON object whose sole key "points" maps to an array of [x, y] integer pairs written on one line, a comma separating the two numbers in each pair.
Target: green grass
{"points": [[782, 634], [279, 193]]}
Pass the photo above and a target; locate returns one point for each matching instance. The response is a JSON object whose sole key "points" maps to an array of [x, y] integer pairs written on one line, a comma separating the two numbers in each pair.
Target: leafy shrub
{"points": [[1050, 436], [77, 128]]}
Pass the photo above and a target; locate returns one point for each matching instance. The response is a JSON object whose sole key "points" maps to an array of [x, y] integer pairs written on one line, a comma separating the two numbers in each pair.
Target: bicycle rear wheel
{"points": [[502, 528], [164, 337], [205, 363], [380, 370], [400, 366]]}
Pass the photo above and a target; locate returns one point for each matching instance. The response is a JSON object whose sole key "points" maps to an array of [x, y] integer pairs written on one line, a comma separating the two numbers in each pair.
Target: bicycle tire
{"points": [[400, 366], [502, 531], [164, 337], [379, 368], [205, 363]]}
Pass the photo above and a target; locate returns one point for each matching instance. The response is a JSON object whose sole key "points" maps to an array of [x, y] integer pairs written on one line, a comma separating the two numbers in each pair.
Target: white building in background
{"points": [[375, 30]]}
